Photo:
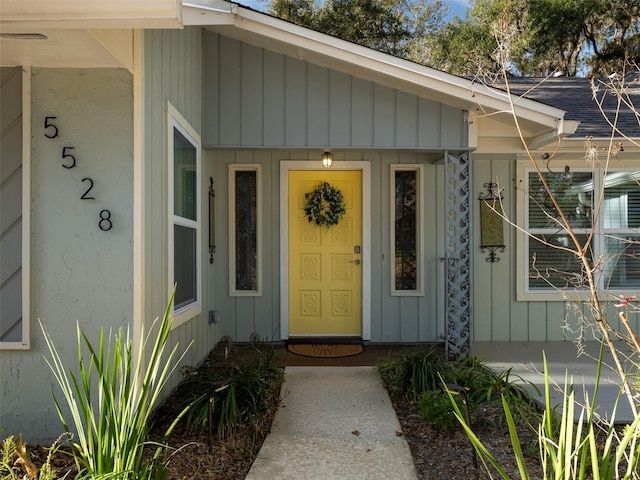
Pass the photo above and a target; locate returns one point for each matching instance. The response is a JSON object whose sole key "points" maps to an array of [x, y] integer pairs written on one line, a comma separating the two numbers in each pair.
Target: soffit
{"points": [[69, 26]]}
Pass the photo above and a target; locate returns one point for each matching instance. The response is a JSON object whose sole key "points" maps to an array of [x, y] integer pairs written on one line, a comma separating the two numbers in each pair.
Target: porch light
{"points": [[327, 159]]}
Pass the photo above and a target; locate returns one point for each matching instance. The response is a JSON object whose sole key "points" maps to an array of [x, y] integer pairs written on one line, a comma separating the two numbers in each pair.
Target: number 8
{"points": [[105, 222]]}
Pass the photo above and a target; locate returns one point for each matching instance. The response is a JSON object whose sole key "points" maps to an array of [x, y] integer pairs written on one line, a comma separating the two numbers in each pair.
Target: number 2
{"points": [[85, 195]]}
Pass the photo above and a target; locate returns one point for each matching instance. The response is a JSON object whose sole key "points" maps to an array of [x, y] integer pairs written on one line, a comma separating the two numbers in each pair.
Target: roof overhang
{"points": [[21, 15], [78, 33], [98, 33], [536, 120]]}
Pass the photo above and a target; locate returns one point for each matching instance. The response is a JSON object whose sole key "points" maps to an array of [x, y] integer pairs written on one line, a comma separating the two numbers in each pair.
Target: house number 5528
{"points": [[69, 161]]}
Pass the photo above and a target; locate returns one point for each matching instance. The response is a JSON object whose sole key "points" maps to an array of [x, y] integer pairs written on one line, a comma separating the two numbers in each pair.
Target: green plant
{"points": [[16, 463], [111, 399], [417, 371], [435, 407], [586, 448], [248, 396]]}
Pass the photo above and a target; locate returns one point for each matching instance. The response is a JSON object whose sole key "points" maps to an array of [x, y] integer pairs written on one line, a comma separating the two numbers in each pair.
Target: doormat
{"points": [[325, 350]]}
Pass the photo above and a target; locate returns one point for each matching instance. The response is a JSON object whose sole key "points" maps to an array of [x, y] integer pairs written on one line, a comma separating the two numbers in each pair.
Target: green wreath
{"points": [[325, 205]]}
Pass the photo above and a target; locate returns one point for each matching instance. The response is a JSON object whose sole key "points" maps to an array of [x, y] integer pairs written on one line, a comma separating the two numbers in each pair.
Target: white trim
{"points": [[523, 292], [365, 168], [139, 210], [176, 121], [419, 168], [242, 167], [25, 342]]}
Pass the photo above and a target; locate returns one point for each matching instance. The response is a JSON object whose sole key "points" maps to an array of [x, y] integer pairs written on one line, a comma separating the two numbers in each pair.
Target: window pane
{"points": [[551, 267], [622, 200], [572, 192], [184, 269], [185, 183], [246, 230], [406, 258], [622, 257]]}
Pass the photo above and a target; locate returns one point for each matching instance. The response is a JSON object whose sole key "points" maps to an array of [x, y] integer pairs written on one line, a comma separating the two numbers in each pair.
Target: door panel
{"points": [[325, 270]]}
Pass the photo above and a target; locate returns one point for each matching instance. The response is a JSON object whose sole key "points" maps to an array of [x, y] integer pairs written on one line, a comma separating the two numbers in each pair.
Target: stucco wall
{"points": [[78, 272]]}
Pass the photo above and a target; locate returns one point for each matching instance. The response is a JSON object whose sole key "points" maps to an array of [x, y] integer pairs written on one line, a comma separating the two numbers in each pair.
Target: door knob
{"points": [[356, 261]]}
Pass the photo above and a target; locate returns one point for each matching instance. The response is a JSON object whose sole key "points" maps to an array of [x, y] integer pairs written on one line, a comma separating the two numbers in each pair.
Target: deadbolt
{"points": [[356, 249]]}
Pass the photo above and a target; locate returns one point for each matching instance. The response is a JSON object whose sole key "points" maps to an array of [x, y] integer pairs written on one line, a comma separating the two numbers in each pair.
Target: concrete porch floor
{"points": [[526, 361]]}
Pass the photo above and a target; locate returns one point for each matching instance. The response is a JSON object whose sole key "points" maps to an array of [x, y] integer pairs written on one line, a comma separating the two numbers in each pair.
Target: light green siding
{"points": [[394, 318], [257, 98], [498, 316], [172, 73]]}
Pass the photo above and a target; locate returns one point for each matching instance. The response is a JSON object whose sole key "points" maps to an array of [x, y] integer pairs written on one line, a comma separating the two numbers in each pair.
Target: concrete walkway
{"points": [[525, 361], [334, 423]]}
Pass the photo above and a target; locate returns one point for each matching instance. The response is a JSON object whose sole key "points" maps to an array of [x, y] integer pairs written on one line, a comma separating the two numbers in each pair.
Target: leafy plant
{"points": [[112, 397], [417, 371], [248, 396], [435, 407], [588, 448]]}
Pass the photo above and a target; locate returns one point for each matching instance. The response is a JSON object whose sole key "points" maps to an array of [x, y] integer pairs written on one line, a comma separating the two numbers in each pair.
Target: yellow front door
{"points": [[325, 279]]}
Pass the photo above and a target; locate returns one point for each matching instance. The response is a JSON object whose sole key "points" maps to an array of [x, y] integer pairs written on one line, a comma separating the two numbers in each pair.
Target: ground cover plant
{"points": [[418, 383]]}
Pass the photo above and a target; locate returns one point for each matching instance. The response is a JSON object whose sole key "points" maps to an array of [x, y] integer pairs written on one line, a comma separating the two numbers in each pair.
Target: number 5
{"points": [[48, 124], [68, 155]]}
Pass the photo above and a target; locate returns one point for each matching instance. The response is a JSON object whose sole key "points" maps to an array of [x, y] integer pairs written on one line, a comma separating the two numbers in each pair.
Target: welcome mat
{"points": [[325, 350]]}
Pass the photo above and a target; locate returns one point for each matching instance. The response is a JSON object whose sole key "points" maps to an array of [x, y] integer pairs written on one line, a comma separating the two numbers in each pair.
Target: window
{"points": [[603, 209], [184, 188], [245, 275], [406, 238]]}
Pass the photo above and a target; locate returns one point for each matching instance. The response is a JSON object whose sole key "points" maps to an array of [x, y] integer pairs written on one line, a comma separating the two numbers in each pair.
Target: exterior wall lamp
{"points": [[327, 159]]}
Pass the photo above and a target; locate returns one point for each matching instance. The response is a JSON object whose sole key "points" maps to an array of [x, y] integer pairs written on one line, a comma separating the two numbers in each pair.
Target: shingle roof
{"points": [[577, 98]]}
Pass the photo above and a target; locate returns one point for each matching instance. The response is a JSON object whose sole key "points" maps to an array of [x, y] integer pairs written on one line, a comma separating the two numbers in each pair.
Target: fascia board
{"points": [[19, 15]]}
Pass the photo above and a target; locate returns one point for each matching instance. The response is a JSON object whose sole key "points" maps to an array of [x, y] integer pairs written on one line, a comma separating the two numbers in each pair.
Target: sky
{"points": [[457, 7]]}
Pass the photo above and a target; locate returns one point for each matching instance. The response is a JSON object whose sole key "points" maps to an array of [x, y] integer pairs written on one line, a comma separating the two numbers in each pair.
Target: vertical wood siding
{"points": [[394, 318], [173, 73], [11, 205], [255, 98], [497, 314]]}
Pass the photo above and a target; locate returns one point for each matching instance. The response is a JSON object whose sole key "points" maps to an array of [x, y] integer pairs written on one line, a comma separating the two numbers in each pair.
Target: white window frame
{"points": [[25, 342], [175, 121], [524, 293], [233, 168], [419, 169]]}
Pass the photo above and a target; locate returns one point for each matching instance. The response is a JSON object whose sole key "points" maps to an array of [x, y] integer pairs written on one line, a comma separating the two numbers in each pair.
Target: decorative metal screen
{"points": [[458, 304]]}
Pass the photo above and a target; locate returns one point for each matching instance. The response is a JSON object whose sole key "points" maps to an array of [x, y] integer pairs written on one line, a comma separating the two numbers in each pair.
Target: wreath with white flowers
{"points": [[325, 205]]}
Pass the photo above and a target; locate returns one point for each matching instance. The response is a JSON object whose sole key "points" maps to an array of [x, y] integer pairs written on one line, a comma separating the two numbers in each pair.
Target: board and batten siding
{"points": [[498, 316], [258, 98], [11, 216], [173, 74], [407, 319]]}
